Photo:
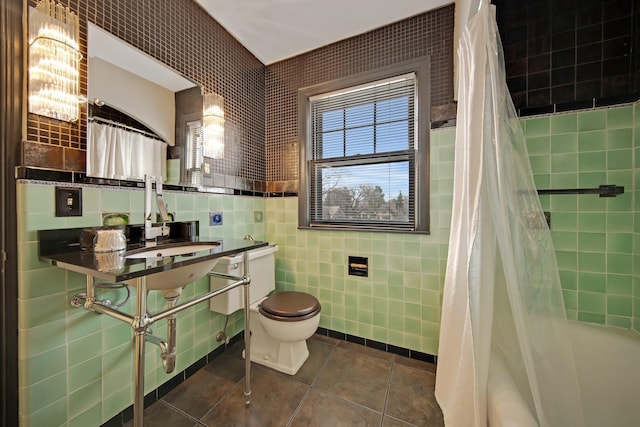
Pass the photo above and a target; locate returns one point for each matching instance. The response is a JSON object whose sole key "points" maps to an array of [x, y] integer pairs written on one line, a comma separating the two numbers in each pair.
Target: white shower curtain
{"points": [[502, 295], [117, 153]]}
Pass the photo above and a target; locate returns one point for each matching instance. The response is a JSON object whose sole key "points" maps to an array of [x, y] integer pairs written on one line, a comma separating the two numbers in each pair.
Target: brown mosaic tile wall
{"points": [[430, 33], [182, 35]]}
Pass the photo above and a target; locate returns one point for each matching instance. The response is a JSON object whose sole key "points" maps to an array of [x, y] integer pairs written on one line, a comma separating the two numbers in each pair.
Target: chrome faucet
{"points": [[151, 231]]}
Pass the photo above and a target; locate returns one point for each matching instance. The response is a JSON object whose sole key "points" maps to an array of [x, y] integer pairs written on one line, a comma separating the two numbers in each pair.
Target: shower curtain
{"points": [[502, 296], [117, 153]]}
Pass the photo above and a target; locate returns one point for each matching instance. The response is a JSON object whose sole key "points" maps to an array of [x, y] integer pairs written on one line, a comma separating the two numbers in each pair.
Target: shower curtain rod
{"points": [[602, 191], [123, 126]]}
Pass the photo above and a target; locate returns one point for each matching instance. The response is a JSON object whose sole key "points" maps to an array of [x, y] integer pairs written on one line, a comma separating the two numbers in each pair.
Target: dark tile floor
{"points": [[341, 384]]}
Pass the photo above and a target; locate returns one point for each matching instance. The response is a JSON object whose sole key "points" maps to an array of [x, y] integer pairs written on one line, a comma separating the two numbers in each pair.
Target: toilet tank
{"points": [[262, 269]]}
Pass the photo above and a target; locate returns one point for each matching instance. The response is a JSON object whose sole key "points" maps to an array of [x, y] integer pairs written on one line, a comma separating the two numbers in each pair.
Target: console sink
{"points": [[172, 280]]}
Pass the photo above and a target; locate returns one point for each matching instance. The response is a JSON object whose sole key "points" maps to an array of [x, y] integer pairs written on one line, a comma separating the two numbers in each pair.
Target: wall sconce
{"points": [[54, 59], [213, 126]]}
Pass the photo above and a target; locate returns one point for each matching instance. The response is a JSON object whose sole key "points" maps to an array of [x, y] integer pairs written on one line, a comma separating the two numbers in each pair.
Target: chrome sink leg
{"points": [[140, 330], [90, 295], [247, 331], [141, 320]]}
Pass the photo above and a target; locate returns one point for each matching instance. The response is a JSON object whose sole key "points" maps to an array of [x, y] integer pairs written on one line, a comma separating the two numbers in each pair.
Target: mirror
{"points": [[122, 79]]}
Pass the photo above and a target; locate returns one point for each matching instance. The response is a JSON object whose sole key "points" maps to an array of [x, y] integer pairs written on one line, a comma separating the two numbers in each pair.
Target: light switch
{"points": [[68, 201]]}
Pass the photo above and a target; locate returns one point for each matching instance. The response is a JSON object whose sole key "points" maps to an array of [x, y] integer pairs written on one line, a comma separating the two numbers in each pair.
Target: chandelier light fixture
{"points": [[54, 58], [213, 126]]}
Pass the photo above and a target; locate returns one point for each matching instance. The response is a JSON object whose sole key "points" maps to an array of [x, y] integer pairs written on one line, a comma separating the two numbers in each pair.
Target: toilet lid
{"points": [[290, 306]]}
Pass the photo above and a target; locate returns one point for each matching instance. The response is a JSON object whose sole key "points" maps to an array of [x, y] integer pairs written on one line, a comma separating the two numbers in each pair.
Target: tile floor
{"points": [[341, 384]]}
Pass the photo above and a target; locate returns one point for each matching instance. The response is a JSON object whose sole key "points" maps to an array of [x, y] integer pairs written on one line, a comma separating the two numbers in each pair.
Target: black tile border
{"points": [[588, 104], [389, 348], [333, 334], [533, 111], [398, 350], [575, 105], [355, 339], [174, 382], [39, 174], [615, 100], [53, 175], [376, 344], [195, 367]]}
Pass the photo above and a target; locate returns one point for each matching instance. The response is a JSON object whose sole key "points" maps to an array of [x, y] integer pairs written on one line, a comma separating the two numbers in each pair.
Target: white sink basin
{"points": [[171, 281], [165, 251]]}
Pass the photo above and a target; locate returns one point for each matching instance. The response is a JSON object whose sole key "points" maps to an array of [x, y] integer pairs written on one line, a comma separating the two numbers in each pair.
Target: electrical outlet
{"points": [[68, 201], [215, 218], [258, 216]]}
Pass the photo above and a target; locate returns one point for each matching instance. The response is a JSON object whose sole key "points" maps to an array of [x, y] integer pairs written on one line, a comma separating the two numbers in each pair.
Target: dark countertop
{"points": [[62, 249]]}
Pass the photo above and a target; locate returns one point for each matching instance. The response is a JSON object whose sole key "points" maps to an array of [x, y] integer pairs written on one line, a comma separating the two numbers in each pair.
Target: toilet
{"points": [[280, 322]]}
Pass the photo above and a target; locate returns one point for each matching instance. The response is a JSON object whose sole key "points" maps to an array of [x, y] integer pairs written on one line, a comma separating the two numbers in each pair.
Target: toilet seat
{"points": [[290, 306]]}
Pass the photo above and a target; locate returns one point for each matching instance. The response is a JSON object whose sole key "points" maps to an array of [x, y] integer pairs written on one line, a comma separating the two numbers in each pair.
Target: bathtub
{"points": [[608, 366]]}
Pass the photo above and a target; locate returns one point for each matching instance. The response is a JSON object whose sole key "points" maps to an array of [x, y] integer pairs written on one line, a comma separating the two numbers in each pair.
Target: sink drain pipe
{"points": [[167, 348], [168, 362], [169, 358]]}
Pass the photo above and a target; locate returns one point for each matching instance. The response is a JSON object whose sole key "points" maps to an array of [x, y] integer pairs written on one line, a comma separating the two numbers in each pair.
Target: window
{"points": [[363, 151]]}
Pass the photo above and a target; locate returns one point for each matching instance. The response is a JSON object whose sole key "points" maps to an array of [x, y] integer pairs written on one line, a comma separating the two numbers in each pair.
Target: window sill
{"points": [[362, 229]]}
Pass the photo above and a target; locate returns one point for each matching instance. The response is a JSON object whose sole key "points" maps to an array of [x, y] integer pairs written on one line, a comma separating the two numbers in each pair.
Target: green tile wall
{"points": [[399, 303], [636, 221], [74, 364], [75, 367], [596, 239]]}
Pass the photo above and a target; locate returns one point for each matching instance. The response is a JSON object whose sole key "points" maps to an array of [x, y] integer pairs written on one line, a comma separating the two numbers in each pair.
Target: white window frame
{"points": [[418, 157]]}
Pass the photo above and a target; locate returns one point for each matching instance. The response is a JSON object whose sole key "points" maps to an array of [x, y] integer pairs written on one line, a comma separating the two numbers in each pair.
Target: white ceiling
{"points": [[274, 30]]}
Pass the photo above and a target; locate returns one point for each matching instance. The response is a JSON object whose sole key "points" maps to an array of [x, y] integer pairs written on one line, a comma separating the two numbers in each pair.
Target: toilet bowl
{"points": [[280, 326], [280, 322]]}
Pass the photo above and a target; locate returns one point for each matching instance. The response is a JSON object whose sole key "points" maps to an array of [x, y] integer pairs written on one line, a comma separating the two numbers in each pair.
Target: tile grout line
{"points": [[311, 386], [179, 411], [386, 396], [295, 411], [237, 385]]}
